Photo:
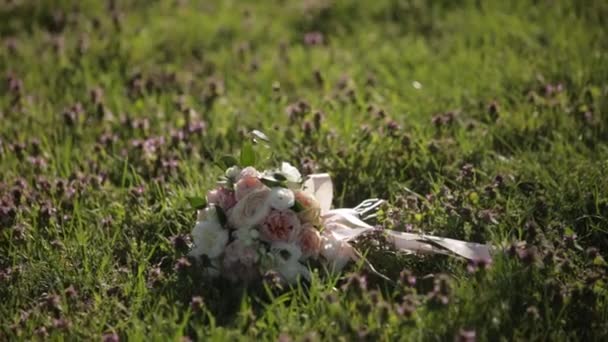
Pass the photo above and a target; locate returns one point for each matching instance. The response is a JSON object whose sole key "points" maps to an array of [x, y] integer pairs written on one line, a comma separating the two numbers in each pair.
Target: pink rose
{"points": [[309, 241], [240, 261], [250, 210], [246, 185], [248, 172], [311, 211], [221, 197], [280, 225]]}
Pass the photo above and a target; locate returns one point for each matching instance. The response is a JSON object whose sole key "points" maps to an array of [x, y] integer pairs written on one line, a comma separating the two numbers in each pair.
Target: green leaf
{"points": [[270, 182], [222, 180], [297, 207], [569, 232], [599, 261], [197, 202], [248, 157], [229, 161], [221, 216], [280, 177]]}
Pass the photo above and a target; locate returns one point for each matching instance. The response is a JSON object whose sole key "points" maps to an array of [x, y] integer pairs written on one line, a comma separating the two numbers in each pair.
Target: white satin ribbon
{"points": [[346, 224]]}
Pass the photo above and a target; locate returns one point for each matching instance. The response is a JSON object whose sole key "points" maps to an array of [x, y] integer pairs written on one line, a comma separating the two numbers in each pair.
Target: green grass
{"points": [[479, 120]]}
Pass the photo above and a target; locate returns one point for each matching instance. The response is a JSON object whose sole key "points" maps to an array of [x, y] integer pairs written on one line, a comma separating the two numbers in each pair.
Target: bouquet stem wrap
{"points": [[346, 224]]}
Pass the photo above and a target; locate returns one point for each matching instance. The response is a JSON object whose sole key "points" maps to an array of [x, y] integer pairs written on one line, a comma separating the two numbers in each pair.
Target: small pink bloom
{"points": [[240, 261], [309, 241], [280, 225], [311, 212], [248, 172], [247, 185], [221, 197]]}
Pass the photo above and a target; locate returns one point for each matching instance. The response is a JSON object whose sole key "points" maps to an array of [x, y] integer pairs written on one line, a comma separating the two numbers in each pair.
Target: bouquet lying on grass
{"points": [[274, 220]]}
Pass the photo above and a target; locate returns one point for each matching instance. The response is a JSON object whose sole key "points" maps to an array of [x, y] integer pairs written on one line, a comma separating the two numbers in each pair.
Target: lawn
{"points": [[483, 121]]}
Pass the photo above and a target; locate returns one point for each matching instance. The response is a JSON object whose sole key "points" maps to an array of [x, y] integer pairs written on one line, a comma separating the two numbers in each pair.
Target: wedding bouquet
{"points": [[274, 220], [256, 221]]}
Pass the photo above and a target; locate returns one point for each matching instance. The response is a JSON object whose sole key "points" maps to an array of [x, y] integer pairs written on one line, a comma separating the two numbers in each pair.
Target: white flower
{"points": [[281, 198], [286, 251], [209, 213], [247, 235], [233, 172], [292, 174], [209, 239], [286, 256]]}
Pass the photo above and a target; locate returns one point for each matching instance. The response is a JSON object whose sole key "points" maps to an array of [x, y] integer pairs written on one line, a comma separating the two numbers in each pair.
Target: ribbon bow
{"points": [[346, 224]]}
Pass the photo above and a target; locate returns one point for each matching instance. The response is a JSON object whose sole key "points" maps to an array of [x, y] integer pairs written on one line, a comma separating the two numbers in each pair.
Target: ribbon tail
{"points": [[345, 225], [415, 243], [468, 250]]}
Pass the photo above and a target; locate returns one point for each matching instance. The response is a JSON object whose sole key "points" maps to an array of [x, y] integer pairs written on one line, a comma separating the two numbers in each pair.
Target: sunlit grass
{"points": [[484, 121]]}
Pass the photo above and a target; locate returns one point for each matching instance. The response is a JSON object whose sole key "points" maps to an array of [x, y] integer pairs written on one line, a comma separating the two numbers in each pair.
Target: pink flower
{"points": [[221, 197], [246, 185], [248, 172], [336, 252], [311, 211], [280, 225], [251, 209], [309, 241], [240, 261]]}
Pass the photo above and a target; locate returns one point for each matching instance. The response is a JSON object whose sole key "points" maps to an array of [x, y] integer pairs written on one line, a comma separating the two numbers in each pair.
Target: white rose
{"points": [[247, 235], [233, 172], [251, 209], [209, 239], [286, 256], [209, 213], [286, 251], [291, 173], [281, 198]]}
